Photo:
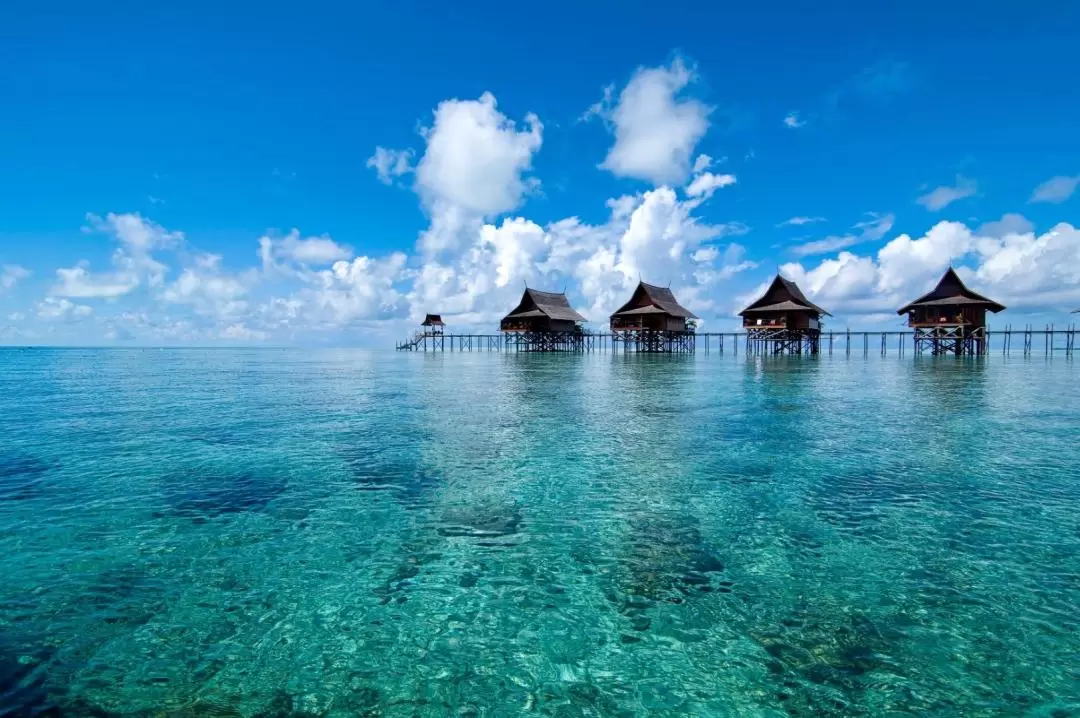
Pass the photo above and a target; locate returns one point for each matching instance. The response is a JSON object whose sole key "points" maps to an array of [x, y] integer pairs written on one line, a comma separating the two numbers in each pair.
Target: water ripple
{"points": [[292, 533]]}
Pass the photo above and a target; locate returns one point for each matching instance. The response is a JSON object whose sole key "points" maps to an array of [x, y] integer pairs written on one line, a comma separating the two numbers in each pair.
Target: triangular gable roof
{"points": [[431, 320], [783, 295], [659, 297], [536, 303], [950, 290]]}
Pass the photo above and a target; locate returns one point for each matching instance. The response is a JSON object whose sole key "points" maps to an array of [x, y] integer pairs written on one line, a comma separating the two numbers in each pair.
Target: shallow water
{"points": [[289, 533]]}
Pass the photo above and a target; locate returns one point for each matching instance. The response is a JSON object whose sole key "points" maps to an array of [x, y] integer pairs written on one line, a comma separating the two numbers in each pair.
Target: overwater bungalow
{"points": [[653, 321], [783, 320], [950, 318], [543, 321]]}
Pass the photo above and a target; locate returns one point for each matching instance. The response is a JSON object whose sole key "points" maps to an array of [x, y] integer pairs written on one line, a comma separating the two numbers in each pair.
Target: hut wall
{"points": [[652, 322], [781, 320], [637, 322], [675, 324], [530, 324], [802, 320], [765, 319], [973, 316], [557, 325]]}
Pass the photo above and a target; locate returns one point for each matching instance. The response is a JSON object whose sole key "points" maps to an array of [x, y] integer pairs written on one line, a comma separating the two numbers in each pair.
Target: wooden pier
{"points": [[1027, 341], [950, 319]]}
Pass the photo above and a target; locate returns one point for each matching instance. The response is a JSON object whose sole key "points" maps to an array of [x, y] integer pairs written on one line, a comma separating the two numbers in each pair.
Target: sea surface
{"points": [[343, 533]]}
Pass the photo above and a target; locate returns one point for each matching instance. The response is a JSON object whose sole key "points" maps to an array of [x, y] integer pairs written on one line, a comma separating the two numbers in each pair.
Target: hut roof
{"points": [[535, 303], [950, 291], [433, 320], [783, 295], [658, 298]]}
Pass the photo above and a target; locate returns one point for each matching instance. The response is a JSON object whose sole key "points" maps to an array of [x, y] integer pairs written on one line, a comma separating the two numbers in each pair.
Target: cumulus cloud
{"points": [[869, 230], [654, 235], [363, 289], [941, 197], [1022, 269], [389, 163], [209, 290], [656, 127], [12, 274], [56, 309], [476, 157], [291, 248], [474, 167], [1056, 189], [704, 184], [1010, 223], [133, 261], [79, 282]]}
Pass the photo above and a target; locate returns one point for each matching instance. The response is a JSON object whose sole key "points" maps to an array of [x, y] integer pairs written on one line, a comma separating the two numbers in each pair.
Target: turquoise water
{"points": [[287, 533]]}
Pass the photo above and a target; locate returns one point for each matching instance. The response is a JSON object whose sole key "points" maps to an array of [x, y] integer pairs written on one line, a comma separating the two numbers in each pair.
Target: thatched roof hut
{"points": [[783, 305], [950, 303], [541, 312], [433, 320], [652, 308]]}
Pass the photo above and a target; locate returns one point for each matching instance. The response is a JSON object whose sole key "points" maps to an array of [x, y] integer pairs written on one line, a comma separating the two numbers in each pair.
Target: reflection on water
{"points": [[193, 533]]}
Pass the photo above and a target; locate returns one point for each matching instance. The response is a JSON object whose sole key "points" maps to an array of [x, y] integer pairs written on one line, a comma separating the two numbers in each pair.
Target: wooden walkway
{"points": [[1027, 341]]}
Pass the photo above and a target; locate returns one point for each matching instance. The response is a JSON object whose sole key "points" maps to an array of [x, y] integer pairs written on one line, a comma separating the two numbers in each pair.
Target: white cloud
{"points": [[941, 197], [389, 163], [240, 332], [474, 167], [653, 235], [12, 274], [1023, 270], [706, 183], [16, 317], [313, 251], [134, 264], [869, 230], [138, 234], [656, 128], [1056, 189], [362, 289], [800, 221], [705, 254], [54, 309], [209, 290], [476, 157], [1009, 223], [602, 107], [79, 282], [792, 121]]}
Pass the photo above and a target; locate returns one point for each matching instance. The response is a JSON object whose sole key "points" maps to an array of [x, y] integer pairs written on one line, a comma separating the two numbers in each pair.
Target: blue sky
{"points": [[148, 148]]}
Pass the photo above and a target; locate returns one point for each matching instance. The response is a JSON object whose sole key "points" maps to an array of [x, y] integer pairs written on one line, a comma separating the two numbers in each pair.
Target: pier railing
{"points": [[1025, 341]]}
